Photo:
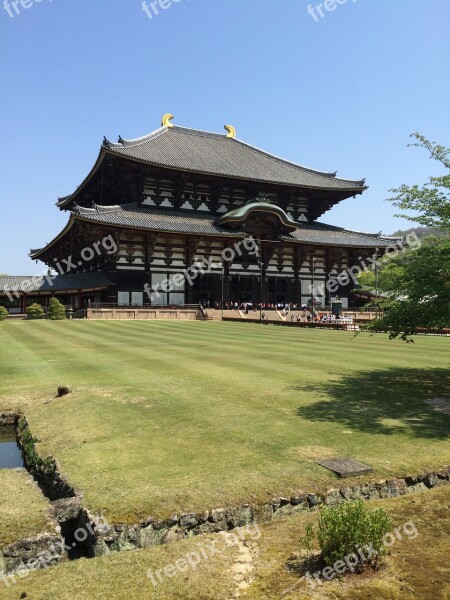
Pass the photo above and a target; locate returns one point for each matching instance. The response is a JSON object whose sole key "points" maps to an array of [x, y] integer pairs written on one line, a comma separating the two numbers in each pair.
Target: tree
{"points": [[56, 310], [3, 313], [432, 199], [421, 297], [35, 311], [418, 283]]}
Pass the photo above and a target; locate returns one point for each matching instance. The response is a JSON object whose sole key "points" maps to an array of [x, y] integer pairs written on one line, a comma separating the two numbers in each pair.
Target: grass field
{"points": [[173, 416], [24, 511], [415, 568]]}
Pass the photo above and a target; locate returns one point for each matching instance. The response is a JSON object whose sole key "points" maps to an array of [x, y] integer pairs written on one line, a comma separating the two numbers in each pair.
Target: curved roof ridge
{"points": [[287, 162], [35, 253], [200, 132], [66, 199], [140, 140], [154, 134], [356, 232], [299, 166], [103, 208]]}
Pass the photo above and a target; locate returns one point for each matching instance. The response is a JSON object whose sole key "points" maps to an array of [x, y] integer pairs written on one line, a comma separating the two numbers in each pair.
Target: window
{"points": [[160, 284], [176, 299], [137, 298], [123, 298]]}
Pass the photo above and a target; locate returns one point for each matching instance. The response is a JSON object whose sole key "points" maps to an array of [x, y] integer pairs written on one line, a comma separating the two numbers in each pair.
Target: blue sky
{"points": [[339, 92]]}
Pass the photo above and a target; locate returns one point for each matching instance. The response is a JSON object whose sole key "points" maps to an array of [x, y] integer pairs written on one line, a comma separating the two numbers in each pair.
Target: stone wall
{"points": [[40, 552], [8, 419], [151, 532], [37, 552], [144, 314]]}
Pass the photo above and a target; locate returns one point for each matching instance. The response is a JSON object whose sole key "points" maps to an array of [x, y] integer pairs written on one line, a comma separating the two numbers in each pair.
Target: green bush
{"points": [[349, 526], [3, 313], [56, 310], [35, 311]]}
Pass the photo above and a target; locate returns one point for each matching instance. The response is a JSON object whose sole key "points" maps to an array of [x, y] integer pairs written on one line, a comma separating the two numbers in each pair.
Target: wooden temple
{"points": [[178, 196]]}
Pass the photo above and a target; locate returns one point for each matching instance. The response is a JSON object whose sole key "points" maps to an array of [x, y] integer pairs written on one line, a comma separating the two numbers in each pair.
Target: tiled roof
{"points": [[329, 235], [215, 154], [41, 284], [131, 215], [169, 221]]}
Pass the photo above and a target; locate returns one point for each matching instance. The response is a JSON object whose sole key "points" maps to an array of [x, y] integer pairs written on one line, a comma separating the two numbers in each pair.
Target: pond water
{"points": [[10, 456]]}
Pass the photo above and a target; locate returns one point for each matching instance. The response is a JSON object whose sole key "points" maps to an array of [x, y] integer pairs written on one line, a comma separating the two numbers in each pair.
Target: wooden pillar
{"points": [[297, 290], [263, 285], [290, 291], [226, 284]]}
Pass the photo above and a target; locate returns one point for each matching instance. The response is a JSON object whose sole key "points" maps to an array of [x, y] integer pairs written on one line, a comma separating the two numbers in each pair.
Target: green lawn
{"points": [[24, 511], [173, 416]]}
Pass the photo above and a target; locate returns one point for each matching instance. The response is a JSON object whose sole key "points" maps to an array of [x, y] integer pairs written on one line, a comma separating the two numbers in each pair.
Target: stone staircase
{"points": [[215, 315]]}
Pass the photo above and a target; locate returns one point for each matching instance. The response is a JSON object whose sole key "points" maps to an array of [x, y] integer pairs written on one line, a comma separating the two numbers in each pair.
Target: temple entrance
{"points": [[207, 289]]}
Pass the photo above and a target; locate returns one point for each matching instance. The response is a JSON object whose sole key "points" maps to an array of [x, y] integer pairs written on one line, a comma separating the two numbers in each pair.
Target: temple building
{"points": [[154, 206]]}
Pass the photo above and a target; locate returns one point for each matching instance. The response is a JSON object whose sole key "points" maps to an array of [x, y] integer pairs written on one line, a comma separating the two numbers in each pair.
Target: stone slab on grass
{"points": [[345, 467]]}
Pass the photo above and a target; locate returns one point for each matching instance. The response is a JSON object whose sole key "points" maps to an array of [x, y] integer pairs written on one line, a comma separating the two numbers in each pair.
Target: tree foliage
{"points": [[3, 313], [421, 294], [417, 283], [431, 200], [56, 310]]}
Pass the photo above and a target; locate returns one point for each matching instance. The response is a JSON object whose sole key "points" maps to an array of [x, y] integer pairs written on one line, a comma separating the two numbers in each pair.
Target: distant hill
{"points": [[423, 232]]}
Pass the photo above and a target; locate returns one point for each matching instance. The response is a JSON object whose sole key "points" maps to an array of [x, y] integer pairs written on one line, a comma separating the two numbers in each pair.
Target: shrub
{"points": [[63, 391], [307, 540], [349, 526], [35, 311], [35, 463], [56, 310], [3, 313]]}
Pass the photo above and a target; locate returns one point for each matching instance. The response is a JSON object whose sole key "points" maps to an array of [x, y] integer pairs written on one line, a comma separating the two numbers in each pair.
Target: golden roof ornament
{"points": [[231, 131], [166, 120]]}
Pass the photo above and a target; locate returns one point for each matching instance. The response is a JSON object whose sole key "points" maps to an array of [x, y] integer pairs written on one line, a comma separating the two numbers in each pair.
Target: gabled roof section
{"points": [[36, 252], [203, 152], [216, 154], [241, 214]]}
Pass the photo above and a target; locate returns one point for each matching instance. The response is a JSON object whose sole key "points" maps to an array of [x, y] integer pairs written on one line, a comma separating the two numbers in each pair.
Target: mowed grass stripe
{"points": [[169, 416]]}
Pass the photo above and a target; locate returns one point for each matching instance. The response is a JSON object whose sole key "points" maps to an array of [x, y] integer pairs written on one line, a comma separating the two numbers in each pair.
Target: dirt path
{"points": [[242, 571]]}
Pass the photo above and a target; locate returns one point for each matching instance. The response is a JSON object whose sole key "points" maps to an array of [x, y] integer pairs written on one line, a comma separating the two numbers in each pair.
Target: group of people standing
{"points": [[285, 308]]}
